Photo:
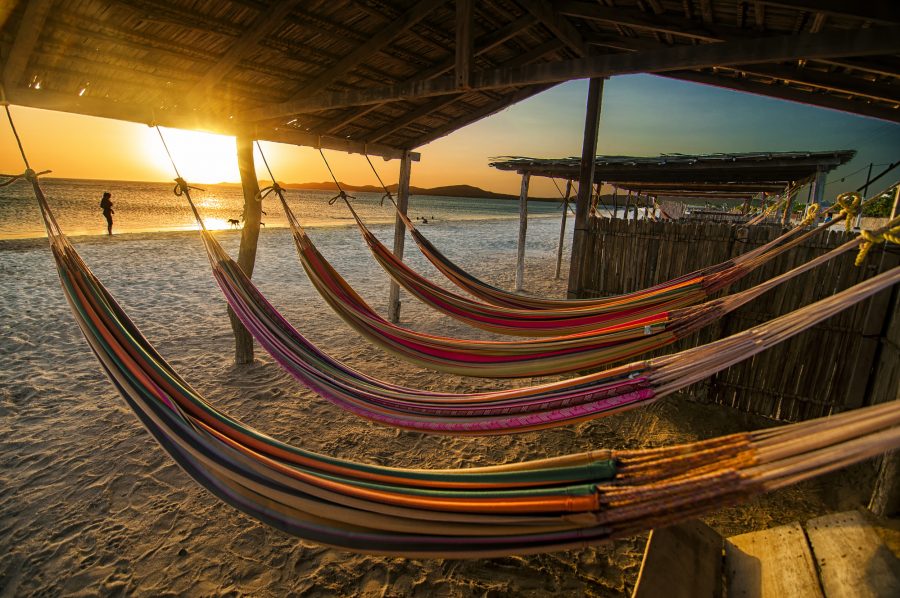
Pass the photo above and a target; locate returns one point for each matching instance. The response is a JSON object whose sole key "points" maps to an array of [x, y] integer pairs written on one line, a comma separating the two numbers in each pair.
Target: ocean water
{"points": [[149, 207]]}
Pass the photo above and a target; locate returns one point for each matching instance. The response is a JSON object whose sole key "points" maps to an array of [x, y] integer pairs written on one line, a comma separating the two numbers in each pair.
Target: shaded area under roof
{"points": [[385, 75], [680, 175]]}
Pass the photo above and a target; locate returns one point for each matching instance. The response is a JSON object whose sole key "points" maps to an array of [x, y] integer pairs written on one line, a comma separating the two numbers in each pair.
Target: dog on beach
{"points": [[234, 223]]}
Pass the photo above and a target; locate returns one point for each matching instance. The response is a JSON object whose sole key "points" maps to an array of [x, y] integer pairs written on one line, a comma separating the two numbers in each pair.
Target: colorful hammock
{"points": [[533, 316], [535, 506], [515, 410], [500, 297], [511, 359]]}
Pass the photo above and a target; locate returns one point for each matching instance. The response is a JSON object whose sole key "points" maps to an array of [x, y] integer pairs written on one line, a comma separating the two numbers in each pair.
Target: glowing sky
{"points": [[641, 115]]}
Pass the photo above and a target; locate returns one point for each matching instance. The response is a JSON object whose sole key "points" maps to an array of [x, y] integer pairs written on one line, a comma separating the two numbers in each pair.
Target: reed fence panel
{"points": [[844, 362]]}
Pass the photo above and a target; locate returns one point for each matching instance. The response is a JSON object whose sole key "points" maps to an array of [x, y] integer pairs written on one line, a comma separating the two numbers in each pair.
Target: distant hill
{"points": [[445, 191]]}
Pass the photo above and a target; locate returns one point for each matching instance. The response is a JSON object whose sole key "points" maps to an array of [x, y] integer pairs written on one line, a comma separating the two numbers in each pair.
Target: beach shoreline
{"points": [[90, 505]]}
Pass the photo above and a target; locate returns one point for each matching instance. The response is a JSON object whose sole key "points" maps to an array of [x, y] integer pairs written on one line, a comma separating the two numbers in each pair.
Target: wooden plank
{"points": [[464, 43], [853, 42], [681, 561], [547, 14], [771, 563], [853, 560]]}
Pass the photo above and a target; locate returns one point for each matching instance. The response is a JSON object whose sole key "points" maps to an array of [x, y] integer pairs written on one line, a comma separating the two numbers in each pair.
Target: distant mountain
{"points": [[445, 191]]}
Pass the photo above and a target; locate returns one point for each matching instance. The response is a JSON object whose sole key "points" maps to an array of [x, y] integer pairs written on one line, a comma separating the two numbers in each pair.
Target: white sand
{"points": [[90, 504]]}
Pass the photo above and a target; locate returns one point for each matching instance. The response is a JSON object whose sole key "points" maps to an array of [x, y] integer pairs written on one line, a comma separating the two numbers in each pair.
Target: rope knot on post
{"points": [[873, 238], [850, 207], [812, 212]]}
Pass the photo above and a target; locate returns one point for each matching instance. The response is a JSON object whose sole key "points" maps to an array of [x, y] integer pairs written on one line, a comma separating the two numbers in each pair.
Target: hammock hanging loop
{"points": [[812, 212], [873, 238], [850, 207], [182, 188]]}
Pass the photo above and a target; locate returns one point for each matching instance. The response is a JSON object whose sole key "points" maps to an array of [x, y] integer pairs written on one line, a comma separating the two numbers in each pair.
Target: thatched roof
{"points": [[703, 175], [383, 76]]}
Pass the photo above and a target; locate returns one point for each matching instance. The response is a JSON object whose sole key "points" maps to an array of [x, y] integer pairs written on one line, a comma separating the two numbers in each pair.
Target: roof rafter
{"points": [[879, 11], [188, 119], [872, 41], [547, 14], [264, 24], [822, 100], [26, 38], [374, 45], [441, 102]]}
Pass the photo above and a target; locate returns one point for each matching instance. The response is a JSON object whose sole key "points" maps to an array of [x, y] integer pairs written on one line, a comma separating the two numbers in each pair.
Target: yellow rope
{"points": [[812, 211], [872, 238], [850, 203]]}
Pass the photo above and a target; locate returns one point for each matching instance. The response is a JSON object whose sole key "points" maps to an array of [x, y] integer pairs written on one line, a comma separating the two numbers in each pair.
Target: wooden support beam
{"points": [[523, 228], [477, 115], [375, 44], [859, 42], [827, 81], [585, 185], [546, 13], [264, 24], [562, 229], [464, 43], [30, 28], [877, 11], [441, 102], [821, 100], [399, 233], [483, 44], [191, 120], [243, 340]]}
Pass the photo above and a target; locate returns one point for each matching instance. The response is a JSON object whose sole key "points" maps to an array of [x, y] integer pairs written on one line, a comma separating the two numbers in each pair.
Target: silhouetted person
{"points": [[106, 204]]}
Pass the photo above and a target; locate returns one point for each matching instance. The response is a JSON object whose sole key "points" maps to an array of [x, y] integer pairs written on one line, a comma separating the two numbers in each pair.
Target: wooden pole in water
{"points": [[400, 233], [243, 341], [562, 228], [523, 227], [585, 185]]}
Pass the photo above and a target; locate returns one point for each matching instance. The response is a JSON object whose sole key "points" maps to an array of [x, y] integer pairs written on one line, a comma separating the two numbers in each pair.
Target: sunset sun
{"points": [[200, 157]]}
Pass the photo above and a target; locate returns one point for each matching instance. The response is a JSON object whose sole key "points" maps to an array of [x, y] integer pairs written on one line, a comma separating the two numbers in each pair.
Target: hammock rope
{"points": [[869, 239]]}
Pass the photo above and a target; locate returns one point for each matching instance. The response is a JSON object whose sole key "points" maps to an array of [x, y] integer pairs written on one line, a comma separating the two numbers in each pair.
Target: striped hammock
{"points": [[497, 412], [522, 315], [646, 331], [519, 508]]}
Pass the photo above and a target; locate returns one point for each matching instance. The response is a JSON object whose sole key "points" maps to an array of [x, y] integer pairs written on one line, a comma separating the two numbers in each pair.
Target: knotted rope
{"points": [[850, 207], [872, 238], [812, 212]]}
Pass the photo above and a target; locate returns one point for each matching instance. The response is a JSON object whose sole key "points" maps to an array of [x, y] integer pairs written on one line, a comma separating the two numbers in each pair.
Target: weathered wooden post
{"points": [[562, 228], [243, 341], [615, 213], [400, 232], [585, 185], [789, 203], [819, 190], [523, 227], [865, 194]]}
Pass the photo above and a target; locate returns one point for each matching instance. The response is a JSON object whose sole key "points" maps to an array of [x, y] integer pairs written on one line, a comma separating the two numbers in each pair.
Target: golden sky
{"points": [[641, 115]]}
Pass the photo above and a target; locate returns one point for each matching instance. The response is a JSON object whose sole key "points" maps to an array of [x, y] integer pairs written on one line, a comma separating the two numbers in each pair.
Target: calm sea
{"points": [[148, 207]]}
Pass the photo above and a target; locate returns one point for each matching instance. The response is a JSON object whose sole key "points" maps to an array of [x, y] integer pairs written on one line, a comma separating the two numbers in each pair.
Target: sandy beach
{"points": [[89, 504]]}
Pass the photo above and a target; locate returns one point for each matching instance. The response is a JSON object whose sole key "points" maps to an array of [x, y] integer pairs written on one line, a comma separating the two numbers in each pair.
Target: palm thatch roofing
{"points": [[384, 76], [731, 176]]}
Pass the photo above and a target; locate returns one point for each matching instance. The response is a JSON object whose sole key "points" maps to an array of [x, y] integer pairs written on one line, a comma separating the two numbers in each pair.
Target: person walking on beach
{"points": [[106, 205]]}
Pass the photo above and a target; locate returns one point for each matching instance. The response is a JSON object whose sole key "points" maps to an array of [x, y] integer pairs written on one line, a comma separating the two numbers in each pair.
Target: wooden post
{"points": [[819, 192], [615, 202], [243, 340], [585, 185], [562, 228], [399, 233], [895, 208], [464, 41], [865, 193], [627, 205], [789, 204], [523, 227]]}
